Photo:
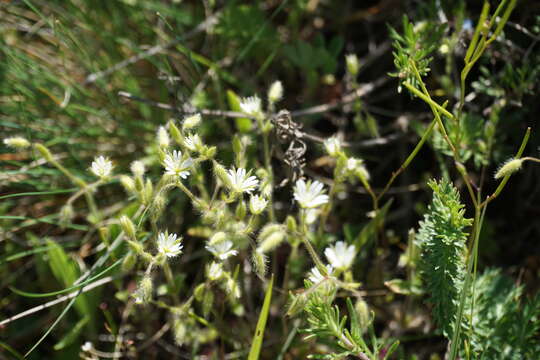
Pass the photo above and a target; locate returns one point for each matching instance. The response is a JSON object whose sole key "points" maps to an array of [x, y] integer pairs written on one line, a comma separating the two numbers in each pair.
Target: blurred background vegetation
{"points": [[64, 62]]}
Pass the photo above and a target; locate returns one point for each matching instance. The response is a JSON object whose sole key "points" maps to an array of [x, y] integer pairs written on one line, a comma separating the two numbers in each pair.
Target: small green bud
{"points": [[128, 184], [353, 65], [209, 152], [157, 206], [237, 145], [241, 210], [297, 303], [362, 310], [259, 263], [104, 234], [147, 192], [508, 168], [291, 224], [222, 175], [66, 215], [270, 242], [207, 302], [268, 230], [44, 152], [128, 227], [143, 295], [175, 133]]}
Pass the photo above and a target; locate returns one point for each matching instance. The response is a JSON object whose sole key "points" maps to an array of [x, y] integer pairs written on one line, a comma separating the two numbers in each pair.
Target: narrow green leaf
{"points": [[261, 324], [68, 289]]}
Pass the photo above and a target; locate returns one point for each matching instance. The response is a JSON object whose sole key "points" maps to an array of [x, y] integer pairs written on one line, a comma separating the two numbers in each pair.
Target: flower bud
{"points": [[291, 224], [259, 263], [297, 303], [332, 146], [143, 295], [362, 310], [508, 168], [137, 168], [17, 142], [163, 137], [222, 175], [147, 192], [241, 210], [217, 238], [175, 133], [275, 92], [66, 215], [44, 152], [128, 227], [353, 64], [191, 122], [128, 184]]}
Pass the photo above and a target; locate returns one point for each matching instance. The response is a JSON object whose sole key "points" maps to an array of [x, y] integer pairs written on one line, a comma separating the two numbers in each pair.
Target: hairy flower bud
{"points": [[508, 168], [128, 227], [143, 295], [44, 152], [259, 263], [128, 184], [16, 142]]}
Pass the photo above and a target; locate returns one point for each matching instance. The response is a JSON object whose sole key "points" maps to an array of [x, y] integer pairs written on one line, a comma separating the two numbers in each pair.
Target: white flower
{"points": [[257, 204], [340, 256], [137, 168], [16, 142], [310, 195], [352, 64], [176, 165], [332, 146], [275, 93], [193, 142], [214, 271], [222, 250], [163, 137], [191, 122], [169, 245], [251, 105], [240, 181], [101, 167], [315, 275]]}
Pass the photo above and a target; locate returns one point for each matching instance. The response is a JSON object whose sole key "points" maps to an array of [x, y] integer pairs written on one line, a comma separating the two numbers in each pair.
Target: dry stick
{"points": [[362, 91], [59, 300], [203, 26]]}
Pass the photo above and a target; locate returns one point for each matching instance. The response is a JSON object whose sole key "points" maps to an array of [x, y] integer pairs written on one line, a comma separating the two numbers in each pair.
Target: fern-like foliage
{"points": [[503, 326], [442, 240]]}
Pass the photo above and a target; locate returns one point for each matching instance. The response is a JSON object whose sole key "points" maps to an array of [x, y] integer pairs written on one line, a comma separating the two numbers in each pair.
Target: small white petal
{"points": [[101, 167], [340, 256], [310, 195]]}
